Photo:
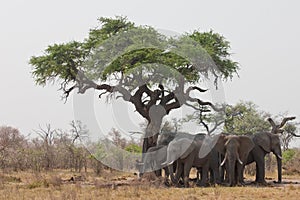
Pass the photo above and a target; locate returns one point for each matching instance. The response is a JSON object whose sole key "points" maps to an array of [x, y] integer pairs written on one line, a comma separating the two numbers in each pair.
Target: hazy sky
{"points": [[264, 36]]}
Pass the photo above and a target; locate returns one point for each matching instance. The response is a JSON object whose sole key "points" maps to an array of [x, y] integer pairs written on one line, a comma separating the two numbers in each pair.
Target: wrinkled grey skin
{"points": [[214, 170], [154, 158], [264, 144], [213, 157], [235, 150], [187, 153]]}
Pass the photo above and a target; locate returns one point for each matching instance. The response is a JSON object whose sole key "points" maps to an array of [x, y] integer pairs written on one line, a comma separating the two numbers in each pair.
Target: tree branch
{"points": [[293, 134], [284, 121], [271, 122]]}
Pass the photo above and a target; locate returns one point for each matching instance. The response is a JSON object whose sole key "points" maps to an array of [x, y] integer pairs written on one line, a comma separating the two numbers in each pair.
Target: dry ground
{"points": [[117, 185]]}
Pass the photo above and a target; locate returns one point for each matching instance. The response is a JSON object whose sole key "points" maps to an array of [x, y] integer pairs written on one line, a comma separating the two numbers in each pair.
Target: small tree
{"points": [[47, 135], [287, 128], [245, 118], [12, 148]]}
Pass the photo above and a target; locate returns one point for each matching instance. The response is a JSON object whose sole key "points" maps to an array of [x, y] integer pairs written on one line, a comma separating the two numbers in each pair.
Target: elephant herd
{"points": [[219, 159]]}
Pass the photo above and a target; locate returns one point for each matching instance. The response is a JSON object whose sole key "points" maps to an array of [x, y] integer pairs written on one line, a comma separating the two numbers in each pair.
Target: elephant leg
{"points": [[222, 174], [186, 174], [279, 169], [231, 169], [167, 174], [179, 173], [198, 174], [240, 174], [216, 173], [205, 169], [212, 178], [158, 173], [260, 171], [226, 173], [171, 172]]}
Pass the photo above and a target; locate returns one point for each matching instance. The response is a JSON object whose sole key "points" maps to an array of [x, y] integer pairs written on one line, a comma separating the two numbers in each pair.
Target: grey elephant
{"points": [[154, 158], [187, 153], [167, 137], [265, 143], [235, 150]]}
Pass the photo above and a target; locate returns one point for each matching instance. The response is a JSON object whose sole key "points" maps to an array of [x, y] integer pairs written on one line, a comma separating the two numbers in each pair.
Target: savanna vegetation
{"points": [[156, 74]]}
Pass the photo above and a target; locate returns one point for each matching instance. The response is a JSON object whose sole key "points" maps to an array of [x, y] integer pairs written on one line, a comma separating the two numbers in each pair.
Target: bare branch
{"points": [[194, 88], [276, 129], [204, 103], [293, 134], [100, 95], [217, 124], [68, 91], [285, 120], [172, 106], [195, 108], [271, 122]]}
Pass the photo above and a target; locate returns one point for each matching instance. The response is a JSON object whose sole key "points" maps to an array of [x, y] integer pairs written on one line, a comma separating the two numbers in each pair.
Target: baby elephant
{"points": [[235, 150]]}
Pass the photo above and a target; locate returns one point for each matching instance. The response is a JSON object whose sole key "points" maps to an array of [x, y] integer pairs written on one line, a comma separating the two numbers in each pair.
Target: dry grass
{"points": [[57, 185]]}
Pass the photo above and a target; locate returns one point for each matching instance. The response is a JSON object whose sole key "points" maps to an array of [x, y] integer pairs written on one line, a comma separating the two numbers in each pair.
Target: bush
{"points": [[288, 155], [291, 161], [133, 148]]}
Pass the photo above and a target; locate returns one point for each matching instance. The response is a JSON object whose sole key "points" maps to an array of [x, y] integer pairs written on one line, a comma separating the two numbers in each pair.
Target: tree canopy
{"points": [[154, 72], [246, 118]]}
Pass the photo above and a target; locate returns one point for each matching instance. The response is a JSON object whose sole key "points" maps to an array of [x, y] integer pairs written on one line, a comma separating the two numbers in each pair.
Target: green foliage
{"points": [[133, 148], [245, 118], [63, 61], [130, 46], [288, 155], [218, 48], [109, 27], [99, 151], [59, 62]]}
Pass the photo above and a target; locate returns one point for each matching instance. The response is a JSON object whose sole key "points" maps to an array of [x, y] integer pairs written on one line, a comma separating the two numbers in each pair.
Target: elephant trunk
{"points": [[231, 171], [279, 168], [145, 163]]}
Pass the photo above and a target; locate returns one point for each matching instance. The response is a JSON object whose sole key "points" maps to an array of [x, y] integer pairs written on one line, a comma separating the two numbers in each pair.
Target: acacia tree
{"points": [[155, 73], [246, 118]]}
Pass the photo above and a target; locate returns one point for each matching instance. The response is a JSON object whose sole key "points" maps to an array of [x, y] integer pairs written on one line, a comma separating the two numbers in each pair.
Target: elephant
{"points": [[235, 150], [214, 163], [167, 137], [185, 152], [266, 142], [153, 159]]}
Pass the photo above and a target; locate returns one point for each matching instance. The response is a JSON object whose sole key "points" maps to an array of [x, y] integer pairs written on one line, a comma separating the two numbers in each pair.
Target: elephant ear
{"points": [[186, 146], [263, 140], [220, 143], [246, 145]]}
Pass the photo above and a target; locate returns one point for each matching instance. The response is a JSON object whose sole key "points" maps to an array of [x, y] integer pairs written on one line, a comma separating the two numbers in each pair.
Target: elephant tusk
{"points": [[240, 161], [223, 162], [166, 163], [279, 157], [238, 158]]}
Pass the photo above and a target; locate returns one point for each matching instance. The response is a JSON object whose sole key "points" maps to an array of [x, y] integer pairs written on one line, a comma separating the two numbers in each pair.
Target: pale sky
{"points": [[264, 36]]}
